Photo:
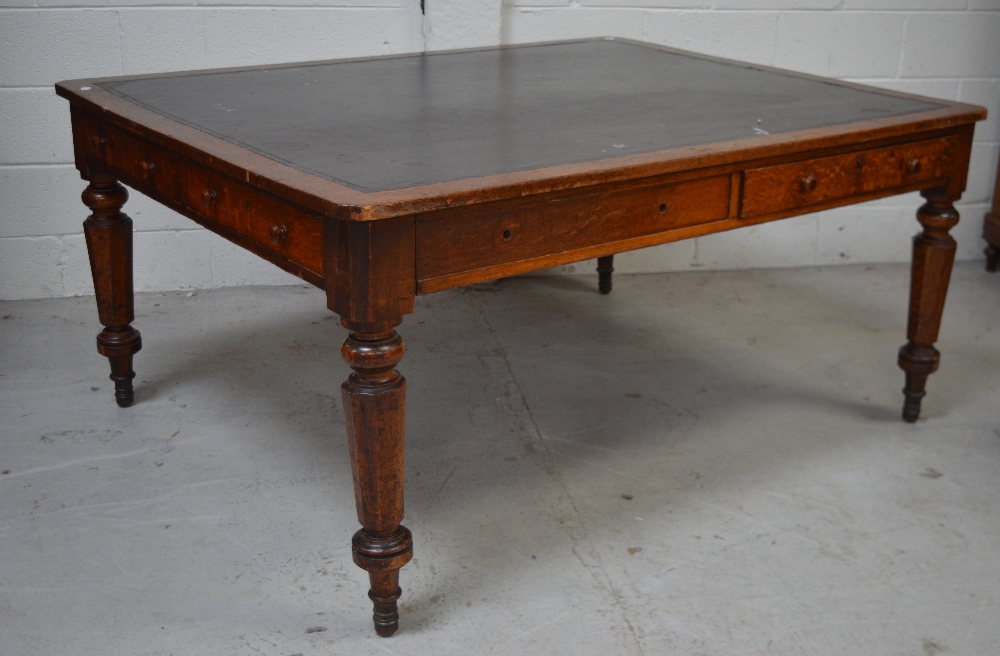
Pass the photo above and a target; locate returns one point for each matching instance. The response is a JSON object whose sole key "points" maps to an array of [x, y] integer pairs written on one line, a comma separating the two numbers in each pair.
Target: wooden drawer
{"points": [[142, 166], [201, 194], [815, 181], [277, 227], [88, 138], [452, 241]]}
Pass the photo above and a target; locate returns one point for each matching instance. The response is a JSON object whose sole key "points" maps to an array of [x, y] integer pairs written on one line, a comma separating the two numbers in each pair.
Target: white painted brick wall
{"points": [[42, 250], [34, 127], [840, 44], [454, 24], [942, 48], [738, 35]]}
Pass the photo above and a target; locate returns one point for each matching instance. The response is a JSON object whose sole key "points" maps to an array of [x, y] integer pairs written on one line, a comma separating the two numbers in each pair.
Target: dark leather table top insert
{"points": [[401, 122]]}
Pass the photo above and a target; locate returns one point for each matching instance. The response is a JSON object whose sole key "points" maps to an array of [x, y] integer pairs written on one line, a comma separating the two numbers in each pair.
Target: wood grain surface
{"points": [[697, 144], [439, 117], [380, 179]]}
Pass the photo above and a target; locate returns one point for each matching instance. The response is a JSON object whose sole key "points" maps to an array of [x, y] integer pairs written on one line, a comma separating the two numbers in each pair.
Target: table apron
{"points": [[461, 246], [266, 225], [473, 243], [812, 181]]}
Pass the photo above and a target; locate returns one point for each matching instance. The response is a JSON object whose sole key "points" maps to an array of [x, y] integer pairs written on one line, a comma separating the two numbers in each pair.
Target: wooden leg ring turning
{"points": [[933, 255], [382, 556], [109, 242], [374, 404], [918, 362], [118, 346]]}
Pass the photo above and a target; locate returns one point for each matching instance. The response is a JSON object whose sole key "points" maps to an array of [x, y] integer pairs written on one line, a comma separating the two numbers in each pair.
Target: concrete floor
{"points": [[700, 463]]}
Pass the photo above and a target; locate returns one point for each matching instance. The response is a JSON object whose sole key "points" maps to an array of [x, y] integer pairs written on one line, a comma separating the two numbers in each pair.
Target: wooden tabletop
{"points": [[374, 138], [386, 124]]}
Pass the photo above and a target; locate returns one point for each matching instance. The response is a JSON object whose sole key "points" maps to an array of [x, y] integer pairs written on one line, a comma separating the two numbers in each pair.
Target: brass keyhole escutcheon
{"points": [[913, 166], [279, 233], [808, 183], [208, 198], [860, 163], [663, 208], [507, 235]]}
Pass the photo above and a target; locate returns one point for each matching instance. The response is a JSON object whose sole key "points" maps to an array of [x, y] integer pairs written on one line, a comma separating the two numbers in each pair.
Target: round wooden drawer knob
{"points": [[913, 166], [148, 170], [807, 183], [208, 198], [279, 233]]}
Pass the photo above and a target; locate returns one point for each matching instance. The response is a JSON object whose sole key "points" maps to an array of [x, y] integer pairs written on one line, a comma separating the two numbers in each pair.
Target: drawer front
{"points": [[142, 166], [449, 242], [89, 139], [815, 181], [271, 224], [277, 227]]}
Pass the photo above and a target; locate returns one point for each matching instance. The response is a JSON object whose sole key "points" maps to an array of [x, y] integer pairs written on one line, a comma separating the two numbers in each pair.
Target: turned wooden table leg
{"points": [[605, 267], [374, 405], [933, 255], [991, 232], [109, 242]]}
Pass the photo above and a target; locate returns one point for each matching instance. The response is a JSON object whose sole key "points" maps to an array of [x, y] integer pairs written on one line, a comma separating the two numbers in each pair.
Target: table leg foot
{"points": [[384, 593], [109, 242], [118, 346], [918, 362], [933, 255], [992, 258], [374, 404], [384, 578], [605, 267]]}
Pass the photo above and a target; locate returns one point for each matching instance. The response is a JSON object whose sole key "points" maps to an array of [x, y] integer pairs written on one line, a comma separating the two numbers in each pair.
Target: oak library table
{"points": [[383, 178]]}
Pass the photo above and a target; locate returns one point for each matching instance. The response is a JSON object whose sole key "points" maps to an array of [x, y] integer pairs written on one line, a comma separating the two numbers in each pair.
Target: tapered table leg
{"points": [[109, 242], [991, 232], [933, 255], [605, 267], [374, 405]]}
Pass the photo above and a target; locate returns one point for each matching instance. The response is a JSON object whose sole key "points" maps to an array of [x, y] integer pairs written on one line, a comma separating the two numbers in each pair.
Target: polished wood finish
{"points": [[108, 232], [801, 184], [284, 232], [933, 255], [329, 198], [374, 404], [240, 212], [502, 236], [490, 184], [496, 111], [372, 269], [991, 229]]}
